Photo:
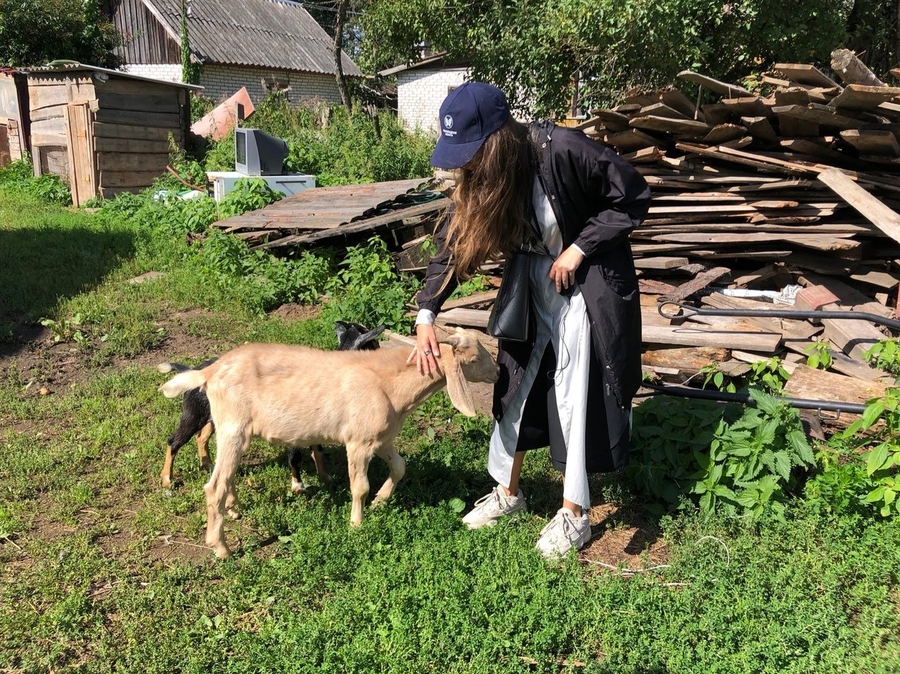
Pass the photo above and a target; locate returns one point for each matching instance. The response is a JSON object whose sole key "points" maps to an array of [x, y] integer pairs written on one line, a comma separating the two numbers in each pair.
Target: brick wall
{"points": [[420, 93], [220, 82], [170, 72]]}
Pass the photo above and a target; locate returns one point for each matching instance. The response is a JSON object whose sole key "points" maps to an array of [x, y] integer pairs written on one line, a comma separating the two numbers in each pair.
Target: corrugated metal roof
{"points": [[262, 33]]}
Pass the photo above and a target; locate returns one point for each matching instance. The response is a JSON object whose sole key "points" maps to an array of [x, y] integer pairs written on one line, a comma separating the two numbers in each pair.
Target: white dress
{"points": [[562, 321]]}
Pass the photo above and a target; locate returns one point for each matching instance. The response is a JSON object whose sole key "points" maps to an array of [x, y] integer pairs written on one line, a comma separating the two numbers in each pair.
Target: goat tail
{"points": [[185, 381], [172, 367]]}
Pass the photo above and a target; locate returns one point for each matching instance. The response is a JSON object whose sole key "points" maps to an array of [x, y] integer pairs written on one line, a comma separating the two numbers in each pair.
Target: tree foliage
{"points": [[534, 49], [35, 32]]}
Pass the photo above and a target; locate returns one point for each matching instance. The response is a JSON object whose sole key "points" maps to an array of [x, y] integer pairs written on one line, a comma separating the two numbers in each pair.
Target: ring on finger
{"points": [[427, 352]]}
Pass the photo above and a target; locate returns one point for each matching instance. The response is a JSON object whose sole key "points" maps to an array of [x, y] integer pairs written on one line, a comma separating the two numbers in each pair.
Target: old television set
{"points": [[256, 153]]}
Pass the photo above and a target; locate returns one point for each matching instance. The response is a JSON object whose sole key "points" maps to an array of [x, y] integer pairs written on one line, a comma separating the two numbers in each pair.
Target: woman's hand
{"points": [[563, 270], [426, 351]]}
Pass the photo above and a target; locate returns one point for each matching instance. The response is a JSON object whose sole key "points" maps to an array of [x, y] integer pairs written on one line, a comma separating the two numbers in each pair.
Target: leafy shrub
{"points": [[885, 355], [860, 466], [766, 375], [48, 188], [368, 289], [742, 461]]}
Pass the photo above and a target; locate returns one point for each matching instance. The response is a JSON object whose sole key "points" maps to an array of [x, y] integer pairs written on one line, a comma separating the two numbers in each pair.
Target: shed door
{"points": [[82, 168]]}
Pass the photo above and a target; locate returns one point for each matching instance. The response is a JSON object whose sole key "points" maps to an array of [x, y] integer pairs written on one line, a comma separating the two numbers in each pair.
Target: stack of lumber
{"points": [[797, 185]]}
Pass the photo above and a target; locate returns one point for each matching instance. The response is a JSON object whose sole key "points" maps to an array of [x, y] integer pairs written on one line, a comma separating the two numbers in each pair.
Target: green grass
{"points": [[102, 570]]}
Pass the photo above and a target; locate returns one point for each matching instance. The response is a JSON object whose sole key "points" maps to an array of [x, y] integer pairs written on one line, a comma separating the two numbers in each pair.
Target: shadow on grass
{"points": [[41, 266]]}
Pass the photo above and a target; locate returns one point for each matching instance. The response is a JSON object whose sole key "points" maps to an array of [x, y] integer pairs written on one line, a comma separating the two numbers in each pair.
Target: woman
{"points": [[570, 384]]}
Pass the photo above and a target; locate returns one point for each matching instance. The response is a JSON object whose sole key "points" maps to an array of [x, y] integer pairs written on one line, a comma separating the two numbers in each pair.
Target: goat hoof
{"points": [[299, 489], [222, 552], [233, 514], [327, 480], [166, 481], [206, 464]]}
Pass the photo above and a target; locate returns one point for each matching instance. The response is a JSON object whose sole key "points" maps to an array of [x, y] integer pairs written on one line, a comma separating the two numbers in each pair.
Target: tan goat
{"points": [[297, 396]]}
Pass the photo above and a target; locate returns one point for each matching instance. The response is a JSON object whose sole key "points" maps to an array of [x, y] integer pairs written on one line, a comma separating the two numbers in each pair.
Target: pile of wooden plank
{"points": [[754, 194]]}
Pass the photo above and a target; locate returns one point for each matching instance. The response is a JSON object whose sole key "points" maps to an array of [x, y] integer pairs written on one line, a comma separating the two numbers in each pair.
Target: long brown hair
{"points": [[493, 199]]}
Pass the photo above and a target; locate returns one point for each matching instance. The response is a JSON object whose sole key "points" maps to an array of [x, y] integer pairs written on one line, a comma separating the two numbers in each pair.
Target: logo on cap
{"points": [[448, 121]]}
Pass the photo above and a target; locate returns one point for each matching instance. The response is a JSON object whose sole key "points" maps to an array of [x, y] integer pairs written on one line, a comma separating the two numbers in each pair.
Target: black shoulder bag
{"points": [[511, 315]]}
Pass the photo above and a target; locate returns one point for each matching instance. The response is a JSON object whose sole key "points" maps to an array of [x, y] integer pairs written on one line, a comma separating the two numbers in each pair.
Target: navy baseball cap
{"points": [[469, 114]]}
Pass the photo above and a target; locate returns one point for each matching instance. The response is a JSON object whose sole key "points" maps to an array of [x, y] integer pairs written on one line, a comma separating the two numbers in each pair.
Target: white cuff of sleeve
{"points": [[425, 317], [578, 249]]}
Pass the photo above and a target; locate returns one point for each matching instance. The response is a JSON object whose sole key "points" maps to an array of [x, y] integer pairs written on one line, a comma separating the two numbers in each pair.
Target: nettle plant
{"points": [[885, 355], [866, 461], [767, 375], [739, 460]]}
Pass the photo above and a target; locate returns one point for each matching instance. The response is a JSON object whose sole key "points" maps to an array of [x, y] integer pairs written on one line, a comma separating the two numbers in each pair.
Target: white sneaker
{"points": [[564, 532], [488, 509]]}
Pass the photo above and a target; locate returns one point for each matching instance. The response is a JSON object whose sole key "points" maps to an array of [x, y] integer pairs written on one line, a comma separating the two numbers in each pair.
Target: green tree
{"points": [[536, 49], [34, 32]]}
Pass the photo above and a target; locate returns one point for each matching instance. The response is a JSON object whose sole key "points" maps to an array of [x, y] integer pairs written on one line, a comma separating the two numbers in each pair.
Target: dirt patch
{"points": [[297, 312], [623, 540]]}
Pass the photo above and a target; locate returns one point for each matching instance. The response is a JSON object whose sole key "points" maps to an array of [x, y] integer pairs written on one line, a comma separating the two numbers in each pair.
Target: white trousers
{"points": [[562, 322]]}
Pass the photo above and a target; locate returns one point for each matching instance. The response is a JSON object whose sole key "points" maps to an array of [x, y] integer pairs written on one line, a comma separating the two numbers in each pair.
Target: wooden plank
{"points": [[614, 121], [661, 110], [130, 131], [675, 99], [467, 318], [724, 132], [748, 106], [660, 262], [805, 74], [646, 155], [813, 241], [164, 120], [793, 127], [471, 300], [862, 97], [815, 150], [392, 219], [872, 142], [680, 335], [138, 179], [686, 360], [871, 207], [46, 97], [815, 113], [118, 161], [812, 384], [131, 146], [685, 127], [138, 102], [791, 329], [760, 128], [79, 141], [792, 96], [631, 140], [724, 89], [699, 282]]}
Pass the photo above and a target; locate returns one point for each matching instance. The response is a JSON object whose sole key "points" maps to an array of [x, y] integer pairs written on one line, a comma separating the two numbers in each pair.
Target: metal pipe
{"points": [[777, 313], [746, 398]]}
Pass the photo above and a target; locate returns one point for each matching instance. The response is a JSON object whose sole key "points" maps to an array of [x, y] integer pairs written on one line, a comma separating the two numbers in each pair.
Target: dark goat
{"points": [[196, 419]]}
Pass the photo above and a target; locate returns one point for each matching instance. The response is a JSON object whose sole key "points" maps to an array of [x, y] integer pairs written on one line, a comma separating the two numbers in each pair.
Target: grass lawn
{"points": [[103, 570]]}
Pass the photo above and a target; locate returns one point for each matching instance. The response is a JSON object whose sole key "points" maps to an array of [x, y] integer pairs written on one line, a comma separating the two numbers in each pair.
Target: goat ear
{"points": [[457, 339], [458, 388], [370, 336]]}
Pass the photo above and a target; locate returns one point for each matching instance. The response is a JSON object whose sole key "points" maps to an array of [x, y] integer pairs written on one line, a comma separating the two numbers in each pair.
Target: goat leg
{"points": [[203, 446], [293, 459], [358, 458], [396, 468], [318, 457]]}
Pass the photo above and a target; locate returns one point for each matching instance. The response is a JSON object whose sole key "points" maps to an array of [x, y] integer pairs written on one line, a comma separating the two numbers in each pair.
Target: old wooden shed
{"points": [[104, 131], [13, 115]]}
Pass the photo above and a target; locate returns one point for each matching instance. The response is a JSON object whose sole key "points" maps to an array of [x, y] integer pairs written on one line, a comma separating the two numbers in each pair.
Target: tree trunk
{"points": [[338, 48], [851, 70]]}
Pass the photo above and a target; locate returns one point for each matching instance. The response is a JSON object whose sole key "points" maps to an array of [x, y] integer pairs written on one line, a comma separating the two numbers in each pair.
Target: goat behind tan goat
{"points": [[298, 396]]}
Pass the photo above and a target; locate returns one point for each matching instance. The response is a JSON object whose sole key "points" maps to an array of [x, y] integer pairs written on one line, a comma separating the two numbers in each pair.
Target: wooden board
{"points": [[862, 97], [80, 144], [811, 384], [871, 207], [130, 131], [760, 342], [873, 142], [816, 114], [760, 128], [724, 89], [118, 161], [805, 74], [131, 146], [164, 120], [139, 102], [679, 127], [133, 179], [631, 140]]}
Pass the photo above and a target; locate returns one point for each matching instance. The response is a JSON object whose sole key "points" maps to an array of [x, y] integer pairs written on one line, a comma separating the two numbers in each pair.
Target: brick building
{"points": [[422, 87], [263, 45]]}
